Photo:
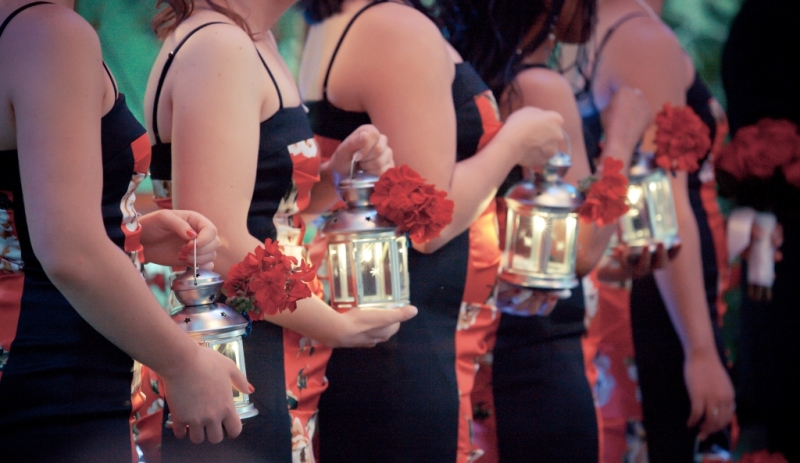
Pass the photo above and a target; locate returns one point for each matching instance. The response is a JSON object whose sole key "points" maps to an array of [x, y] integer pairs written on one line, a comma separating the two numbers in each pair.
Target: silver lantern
{"points": [[651, 218], [541, 230], [367, 256], [212, 324]]}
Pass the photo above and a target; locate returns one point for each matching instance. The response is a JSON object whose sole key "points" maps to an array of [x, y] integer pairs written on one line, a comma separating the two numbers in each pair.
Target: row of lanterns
{"points": [[368, 257]]}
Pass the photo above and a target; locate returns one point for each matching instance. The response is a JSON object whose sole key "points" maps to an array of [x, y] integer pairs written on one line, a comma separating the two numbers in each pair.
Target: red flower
{"points": [[266, 282], [762, 456], [606, 200], [403, 197], [682, 139], [758, 149]]}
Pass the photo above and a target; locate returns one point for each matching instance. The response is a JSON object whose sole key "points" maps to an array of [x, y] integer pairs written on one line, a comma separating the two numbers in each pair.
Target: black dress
{"points": [[408, 399], [285, 141], [761, 80], [65, 389], [659, 353]]}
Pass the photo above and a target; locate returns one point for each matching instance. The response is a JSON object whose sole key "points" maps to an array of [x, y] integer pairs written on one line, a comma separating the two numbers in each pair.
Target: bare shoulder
{"points": [[544, 88], [223, 45], [647, 40], [50, 29], [399, 30]]}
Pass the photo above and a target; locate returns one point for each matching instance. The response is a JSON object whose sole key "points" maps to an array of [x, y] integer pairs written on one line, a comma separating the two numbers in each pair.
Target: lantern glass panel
{"points": [[526, 236], [662, 206], [402, 266], [375, 271], [636, 222], [560, 233], [339, 255], [233, 350]]}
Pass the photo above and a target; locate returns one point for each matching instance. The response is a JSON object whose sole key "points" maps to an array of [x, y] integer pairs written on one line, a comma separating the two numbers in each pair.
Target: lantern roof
{"points": [[196, 289]]}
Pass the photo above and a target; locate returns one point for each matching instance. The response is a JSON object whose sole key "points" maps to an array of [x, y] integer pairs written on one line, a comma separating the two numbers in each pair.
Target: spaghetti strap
{"points": [[113, 83], [163, 75], [274, 82], [592, 75], [18, 11], [606, 37], [339, 44]]}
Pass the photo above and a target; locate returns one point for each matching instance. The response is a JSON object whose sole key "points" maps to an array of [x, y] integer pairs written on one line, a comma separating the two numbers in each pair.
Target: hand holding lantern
{"points": [[212, 324], [541, 230], [367, 255]]}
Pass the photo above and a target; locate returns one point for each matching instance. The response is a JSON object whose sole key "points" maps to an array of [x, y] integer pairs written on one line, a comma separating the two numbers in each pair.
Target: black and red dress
{"points": [[659, 353], [408, 399], [64, 388], [286, 368]]}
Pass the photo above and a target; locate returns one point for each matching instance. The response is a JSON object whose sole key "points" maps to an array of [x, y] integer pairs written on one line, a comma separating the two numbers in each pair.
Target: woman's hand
{"points": [[623, 264], [533, 134], [368, 147], [776, 238], [200, 398], [527, 301], [368, 327], [710, 392], [168, 238]]}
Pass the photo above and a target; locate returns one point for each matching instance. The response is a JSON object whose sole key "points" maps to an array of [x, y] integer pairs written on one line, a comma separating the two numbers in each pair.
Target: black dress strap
{"points": [[274, 82], [589, 77], [163, 75], [113, 82], [619, 22], [339, 44], [18, 11]]}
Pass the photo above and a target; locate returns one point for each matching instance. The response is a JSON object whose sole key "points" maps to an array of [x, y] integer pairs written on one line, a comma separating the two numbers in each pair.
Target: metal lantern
{"points": [[212, 324], [541, 230], [367, 256], [651, 218]]}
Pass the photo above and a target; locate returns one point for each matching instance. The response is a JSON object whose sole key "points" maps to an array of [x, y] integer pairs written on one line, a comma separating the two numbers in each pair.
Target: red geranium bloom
{"points": [[757, 150], [606, 200], [266, 282], [763, 456], [682, 139], [403, 197]]}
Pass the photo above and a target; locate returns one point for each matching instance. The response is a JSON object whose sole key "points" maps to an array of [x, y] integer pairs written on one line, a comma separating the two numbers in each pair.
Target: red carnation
{"points": [[758, 149], [763, 456], [682, 139], [266, 282], [403, 197], [606, 200]]}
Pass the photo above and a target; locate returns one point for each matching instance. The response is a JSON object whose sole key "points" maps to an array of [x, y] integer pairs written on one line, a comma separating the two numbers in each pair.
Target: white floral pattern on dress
{"points": [[302, 449], [467, 315], [10, 250]]}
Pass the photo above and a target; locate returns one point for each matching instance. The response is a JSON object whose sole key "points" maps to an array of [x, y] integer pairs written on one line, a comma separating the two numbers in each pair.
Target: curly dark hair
{"points": [[176, 11], [494, 35]]}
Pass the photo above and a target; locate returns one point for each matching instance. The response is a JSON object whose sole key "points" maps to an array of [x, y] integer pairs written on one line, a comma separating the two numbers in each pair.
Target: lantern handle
{"points": [[569, 143], [194, 264], [353, 162]]}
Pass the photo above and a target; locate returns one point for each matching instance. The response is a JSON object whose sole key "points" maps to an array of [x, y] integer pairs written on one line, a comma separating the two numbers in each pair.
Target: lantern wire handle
{"points": [[353, 165], [194, 266]]}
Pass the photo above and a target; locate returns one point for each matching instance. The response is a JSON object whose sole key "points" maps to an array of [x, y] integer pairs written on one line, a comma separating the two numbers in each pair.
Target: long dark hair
{"points": [[493, 35], [175, 11]]}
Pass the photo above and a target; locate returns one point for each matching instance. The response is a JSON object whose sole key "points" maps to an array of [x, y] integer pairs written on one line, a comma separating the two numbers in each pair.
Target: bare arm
{"points": [[215, 137], [403, 81], [646, 56], [56, 91]]}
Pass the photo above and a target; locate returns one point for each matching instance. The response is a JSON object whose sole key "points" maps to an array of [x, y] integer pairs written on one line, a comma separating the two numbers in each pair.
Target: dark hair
{"points": [[493, 35], [316, 11], [176, 11]]}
